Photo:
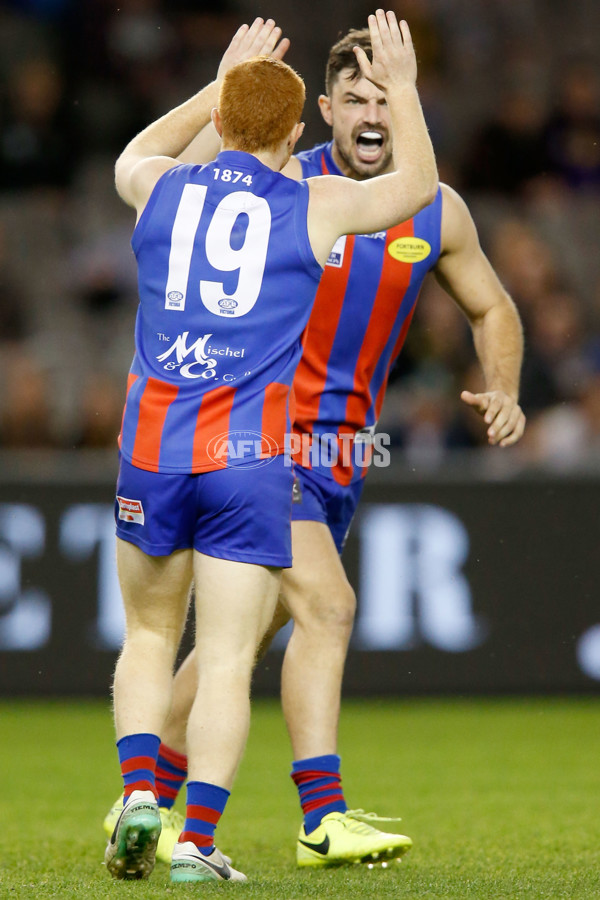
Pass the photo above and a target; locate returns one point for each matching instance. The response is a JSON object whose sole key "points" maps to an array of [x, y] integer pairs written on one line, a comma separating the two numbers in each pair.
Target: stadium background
{"points": [[476, 569]]}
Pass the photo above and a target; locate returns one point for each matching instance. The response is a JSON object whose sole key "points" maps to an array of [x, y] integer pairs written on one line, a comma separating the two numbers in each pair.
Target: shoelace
{"points": [[371, 819]]}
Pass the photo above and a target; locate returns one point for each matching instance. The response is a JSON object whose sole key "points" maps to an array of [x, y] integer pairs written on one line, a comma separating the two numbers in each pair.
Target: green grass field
{"points": [[501, 798]]}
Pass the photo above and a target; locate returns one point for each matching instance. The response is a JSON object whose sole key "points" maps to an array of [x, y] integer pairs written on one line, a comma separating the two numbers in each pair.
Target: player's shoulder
{"points": [[452, 202], [312, 160], [457, 223]]}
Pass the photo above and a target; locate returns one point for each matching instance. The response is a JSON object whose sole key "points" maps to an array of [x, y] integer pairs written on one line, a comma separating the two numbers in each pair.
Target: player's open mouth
{"points": [[369, 146]]}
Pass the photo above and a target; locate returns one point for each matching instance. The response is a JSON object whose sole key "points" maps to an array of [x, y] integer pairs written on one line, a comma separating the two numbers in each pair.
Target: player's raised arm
{"points": [[342, 206], [262, 38], [157, 148]]}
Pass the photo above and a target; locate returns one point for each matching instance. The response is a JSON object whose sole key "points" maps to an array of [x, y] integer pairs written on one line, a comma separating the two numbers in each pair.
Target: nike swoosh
{"points": [[222, 870], [322, 848]]}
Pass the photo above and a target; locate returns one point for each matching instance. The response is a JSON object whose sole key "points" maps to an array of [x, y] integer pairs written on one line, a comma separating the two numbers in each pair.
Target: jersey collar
{"points": [[329, 164]]}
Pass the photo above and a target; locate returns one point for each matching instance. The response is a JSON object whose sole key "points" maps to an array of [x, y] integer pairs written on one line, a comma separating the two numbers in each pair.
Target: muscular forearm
{"points": [[414, 158], [498, 338]]}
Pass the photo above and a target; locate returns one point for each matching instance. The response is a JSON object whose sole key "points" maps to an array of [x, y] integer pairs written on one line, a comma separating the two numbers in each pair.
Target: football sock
{"points": [[319, 785], [137, 756], [171, 772], [205, 805]]}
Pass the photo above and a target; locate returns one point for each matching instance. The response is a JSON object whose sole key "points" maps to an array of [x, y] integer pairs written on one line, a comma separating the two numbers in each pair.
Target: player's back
{"points": [[226, 281]]}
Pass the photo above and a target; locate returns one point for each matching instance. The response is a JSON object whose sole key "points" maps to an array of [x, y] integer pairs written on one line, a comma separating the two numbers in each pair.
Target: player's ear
{"points": [[216, 120], [325, 107], [295, 135]]}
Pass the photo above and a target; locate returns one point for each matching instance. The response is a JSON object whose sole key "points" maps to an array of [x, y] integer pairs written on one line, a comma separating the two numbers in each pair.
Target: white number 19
{"points": [[249, 259]]}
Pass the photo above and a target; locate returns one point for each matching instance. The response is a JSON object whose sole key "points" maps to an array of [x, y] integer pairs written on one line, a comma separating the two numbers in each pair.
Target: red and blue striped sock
{"points": [[205, 805], [171, 772], [319, 785], [137, 756]]}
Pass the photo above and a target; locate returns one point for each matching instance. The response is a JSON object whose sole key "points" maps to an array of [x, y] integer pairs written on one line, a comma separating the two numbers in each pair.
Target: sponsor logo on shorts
{"points": [[131, 510]]}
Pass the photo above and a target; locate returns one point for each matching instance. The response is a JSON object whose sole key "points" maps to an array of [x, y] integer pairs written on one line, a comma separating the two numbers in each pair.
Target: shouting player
{"points": [[363, 309]]}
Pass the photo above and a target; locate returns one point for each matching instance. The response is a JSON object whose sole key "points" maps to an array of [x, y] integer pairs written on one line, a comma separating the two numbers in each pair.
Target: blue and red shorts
{"points": [[240, 513], [319, 499]]}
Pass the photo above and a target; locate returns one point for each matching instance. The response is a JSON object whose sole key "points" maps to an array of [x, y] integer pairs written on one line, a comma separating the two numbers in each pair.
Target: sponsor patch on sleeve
{"points": [[130, 510]]}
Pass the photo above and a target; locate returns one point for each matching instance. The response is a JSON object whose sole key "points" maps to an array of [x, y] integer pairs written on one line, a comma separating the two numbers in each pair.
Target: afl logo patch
{"points": [[409, 249], [228, 303]]}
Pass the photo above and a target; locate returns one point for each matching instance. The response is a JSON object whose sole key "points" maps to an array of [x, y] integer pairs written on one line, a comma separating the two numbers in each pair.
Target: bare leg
{"points": [[318, 595], [322, 604], [155, 595], [234, 605], [174, 734]]}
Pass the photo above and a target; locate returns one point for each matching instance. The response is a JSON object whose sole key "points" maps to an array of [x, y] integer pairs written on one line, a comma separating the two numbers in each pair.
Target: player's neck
{"points": [[274, 159]]}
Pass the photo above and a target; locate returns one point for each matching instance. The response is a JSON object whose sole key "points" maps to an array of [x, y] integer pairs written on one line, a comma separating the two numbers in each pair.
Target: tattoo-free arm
{"points": [[465, 273]]}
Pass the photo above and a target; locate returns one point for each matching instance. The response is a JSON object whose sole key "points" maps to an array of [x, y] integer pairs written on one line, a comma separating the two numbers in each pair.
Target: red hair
{"points": [[260, 101]]}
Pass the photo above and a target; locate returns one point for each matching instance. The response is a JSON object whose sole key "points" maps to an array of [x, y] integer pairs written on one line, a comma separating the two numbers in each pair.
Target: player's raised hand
{"points": [[262, 38], [501, 413], [394, 60]]}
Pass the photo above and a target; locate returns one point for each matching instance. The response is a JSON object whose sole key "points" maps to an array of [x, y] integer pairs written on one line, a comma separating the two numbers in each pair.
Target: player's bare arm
{"points": [[465, 273], [158, 148], [260, 39], [343, 206]]}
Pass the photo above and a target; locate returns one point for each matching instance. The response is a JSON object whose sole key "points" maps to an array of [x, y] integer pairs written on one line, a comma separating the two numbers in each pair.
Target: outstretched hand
{"points": [[259, 39], [394, 60], [501, 413]]}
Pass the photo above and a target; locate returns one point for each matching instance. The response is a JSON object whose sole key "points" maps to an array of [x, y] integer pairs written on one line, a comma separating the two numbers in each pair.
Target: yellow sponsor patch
{"points": [[409, 249]]}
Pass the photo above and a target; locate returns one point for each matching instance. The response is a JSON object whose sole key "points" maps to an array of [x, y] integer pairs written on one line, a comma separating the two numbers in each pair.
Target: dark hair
{"points": [[341, 56]]}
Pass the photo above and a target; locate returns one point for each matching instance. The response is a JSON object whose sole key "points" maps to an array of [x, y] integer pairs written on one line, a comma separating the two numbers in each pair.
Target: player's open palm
{"points": [[394, 61], [262, 38]]}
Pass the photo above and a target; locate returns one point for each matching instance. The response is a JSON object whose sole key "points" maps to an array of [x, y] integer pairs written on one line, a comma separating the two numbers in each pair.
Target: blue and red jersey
{"points": [[227, 278], [362, 312]]}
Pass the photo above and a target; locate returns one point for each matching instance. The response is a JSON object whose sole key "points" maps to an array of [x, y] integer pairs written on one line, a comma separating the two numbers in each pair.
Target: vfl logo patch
{"points": [[228, 304], [409, 249], [175, 300], [131, 510]]}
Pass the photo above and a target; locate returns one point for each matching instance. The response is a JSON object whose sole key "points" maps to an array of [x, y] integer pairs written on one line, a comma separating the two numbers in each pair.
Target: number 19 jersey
{"points": [[227, 278]]}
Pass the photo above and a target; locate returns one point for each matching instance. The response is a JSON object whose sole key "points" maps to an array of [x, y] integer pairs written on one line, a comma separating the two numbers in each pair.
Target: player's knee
{"points": [[153, 637], [344, 609], [333, 609]]}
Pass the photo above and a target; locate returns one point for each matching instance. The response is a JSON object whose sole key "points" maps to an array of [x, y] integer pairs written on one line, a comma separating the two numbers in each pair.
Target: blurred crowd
{"points": [[512, 98]]}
